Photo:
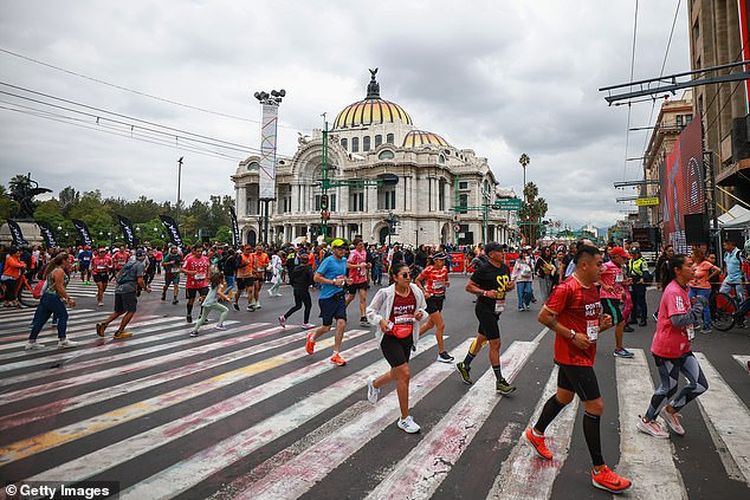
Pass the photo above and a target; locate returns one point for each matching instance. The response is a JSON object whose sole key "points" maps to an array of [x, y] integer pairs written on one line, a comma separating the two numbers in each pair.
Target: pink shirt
{"points": [[672, 341], [200, 265], [611, 277], [358, 275]]}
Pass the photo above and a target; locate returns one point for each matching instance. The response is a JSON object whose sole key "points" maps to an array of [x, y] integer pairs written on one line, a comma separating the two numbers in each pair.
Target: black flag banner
{"points": [[47, 234], [83, 231], [16, 234], [235, 228], [127, 230], [172, 229]]}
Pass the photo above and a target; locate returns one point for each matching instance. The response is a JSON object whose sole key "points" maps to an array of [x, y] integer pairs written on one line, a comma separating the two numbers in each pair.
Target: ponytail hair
{"points": [[675, 262], [216, 279], [59, 260]]}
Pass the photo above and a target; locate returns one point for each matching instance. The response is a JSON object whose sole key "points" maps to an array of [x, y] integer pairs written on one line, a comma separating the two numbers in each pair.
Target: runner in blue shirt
{"points": [[733, 263], [84, 264]]}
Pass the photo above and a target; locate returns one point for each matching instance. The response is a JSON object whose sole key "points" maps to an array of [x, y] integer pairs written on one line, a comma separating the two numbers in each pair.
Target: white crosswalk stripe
{"points": [[252, 389]]}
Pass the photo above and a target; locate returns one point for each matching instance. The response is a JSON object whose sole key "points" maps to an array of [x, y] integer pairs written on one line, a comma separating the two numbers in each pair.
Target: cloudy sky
{"points": [[501, 78]]}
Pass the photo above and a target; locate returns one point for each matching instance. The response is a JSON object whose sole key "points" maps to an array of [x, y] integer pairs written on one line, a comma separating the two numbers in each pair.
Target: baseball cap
{"points": [[338, 243], [139, 254], [439, 256], [494, 246], [618, 252]]}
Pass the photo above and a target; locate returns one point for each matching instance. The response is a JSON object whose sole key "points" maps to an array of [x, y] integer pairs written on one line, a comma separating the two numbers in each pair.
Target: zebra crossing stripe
{"points": [[183, 475], [728, 420], [26, 315], [88, 378], [42, 442], [743, 360], [122, 451], [422, 471], [11, 324], [523, 475], [645, 460]]}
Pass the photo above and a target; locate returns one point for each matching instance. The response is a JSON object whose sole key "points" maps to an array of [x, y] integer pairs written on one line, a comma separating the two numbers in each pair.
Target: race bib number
{"points": [[592, 329], [200, 277], [260, 269], [690, 330], [438, 285], [101, 268], [499, 306], [619, 278], [363, 271]]}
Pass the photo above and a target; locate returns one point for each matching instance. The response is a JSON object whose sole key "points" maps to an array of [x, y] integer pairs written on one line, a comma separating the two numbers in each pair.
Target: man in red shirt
{"points": [[574, 313], [357, 267], [433, 281]]}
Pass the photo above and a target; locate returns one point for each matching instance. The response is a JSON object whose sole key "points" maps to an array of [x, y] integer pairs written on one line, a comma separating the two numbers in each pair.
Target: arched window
{"points": [[345, 144], [386, 154], [355, 144], [378, 140], [366, 143], [389, 138]]}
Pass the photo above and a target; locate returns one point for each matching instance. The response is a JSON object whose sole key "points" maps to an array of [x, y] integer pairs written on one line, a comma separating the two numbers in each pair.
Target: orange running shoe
{"points": [[310, 344], [336, 359], [537, 442], [609, 480]]}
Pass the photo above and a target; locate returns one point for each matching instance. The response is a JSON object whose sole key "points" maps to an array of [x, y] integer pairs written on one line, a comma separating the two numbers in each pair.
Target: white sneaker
{"points": [[100, 304], [673, 421], [270, 293], [220, 327], [33, 346], [308, 326], [65, 343], [372, 392], [408, 425], [652, 428]]}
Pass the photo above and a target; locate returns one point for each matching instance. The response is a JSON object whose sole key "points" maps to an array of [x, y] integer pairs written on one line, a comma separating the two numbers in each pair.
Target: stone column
{"points": [[242, 201]]}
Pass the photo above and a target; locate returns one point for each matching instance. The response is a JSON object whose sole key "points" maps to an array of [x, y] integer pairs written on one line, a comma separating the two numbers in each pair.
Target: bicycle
{"points": [[725, 316]]}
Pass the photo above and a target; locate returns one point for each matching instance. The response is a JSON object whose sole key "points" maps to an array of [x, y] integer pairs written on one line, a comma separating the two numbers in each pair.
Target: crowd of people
{"points": [[585, 290]]}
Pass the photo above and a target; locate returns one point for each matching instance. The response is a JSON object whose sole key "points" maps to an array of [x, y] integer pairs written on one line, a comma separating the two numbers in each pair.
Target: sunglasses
{"points": [[405, 275]]}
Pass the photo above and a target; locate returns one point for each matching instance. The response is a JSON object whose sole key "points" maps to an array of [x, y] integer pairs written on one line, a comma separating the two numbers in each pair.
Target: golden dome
{"points": [[417, 138], [372, 110]]}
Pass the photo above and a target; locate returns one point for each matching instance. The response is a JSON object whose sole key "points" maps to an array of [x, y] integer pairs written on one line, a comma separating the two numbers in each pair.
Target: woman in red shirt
{"points": [[675, 329]]}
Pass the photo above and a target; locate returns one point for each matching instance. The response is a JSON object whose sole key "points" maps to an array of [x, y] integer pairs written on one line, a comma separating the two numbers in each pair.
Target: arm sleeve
{"points": [[692, 316]]}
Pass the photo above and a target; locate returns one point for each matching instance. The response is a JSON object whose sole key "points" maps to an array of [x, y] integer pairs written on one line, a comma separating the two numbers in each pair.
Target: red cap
{"points": [[618, 251]]}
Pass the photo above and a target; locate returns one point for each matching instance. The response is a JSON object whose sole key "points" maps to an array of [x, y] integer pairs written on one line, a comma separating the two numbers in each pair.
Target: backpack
{"points": [[39, 289]]}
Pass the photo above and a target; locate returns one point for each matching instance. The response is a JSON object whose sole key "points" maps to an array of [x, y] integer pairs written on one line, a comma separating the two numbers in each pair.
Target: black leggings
{"points": [[301, 296]]}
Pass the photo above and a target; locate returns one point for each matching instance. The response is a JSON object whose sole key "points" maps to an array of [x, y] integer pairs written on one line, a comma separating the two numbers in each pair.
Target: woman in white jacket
{"points": [[395, 310]]}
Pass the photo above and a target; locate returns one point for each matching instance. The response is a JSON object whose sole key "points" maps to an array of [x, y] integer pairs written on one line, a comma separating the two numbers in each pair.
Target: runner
{"points": [[229, 268], [332, 276], [102, 266], [195, 267], [490, 282], [150, 266], [300, 279], [276, 281], [54, 300], [675, 330], [638, 272], [259, 265], [358, 266], [12, 269], [244, 277], [395, 309], [172, 262], [211, 303], [84, 264], [119, 258], [573, 312], [523, 276], [433, 281], [612, 294], [129, 280]]}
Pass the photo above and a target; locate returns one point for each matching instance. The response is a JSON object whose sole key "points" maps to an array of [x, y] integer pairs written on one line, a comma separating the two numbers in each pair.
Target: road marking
{"points": [[645, 460], [25, 318], [420, 473], [523, 474], [122, 451], [729, 418], [21, 331], [743, 360], [45, 441], [20, 394], [183, 475]]}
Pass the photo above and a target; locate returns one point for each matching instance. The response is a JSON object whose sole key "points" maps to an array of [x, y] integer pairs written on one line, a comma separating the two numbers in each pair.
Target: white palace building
{"points": [[373, 139]]}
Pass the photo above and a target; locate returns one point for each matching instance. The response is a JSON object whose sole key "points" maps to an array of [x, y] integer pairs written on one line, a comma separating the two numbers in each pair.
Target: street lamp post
{"points": [[273, 99]]}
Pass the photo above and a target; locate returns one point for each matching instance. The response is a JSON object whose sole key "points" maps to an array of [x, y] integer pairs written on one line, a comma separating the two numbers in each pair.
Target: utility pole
{"points": [[179, 179]]}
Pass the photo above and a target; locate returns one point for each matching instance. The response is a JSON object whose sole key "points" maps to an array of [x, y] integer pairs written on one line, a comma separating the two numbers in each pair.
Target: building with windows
{"points": [[438, 196]]}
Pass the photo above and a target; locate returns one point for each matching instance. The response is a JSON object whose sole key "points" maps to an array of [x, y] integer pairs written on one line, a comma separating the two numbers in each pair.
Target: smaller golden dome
{"points": [[417, 138]]}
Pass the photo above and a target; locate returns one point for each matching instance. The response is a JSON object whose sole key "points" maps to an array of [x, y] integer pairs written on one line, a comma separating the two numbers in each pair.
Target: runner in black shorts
{"points": [[490, 281], [171, 263], [433, 281]]}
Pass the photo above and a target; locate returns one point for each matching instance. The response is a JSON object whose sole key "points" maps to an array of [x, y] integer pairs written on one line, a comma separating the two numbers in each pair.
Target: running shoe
{"points": [[189, 318], [310, 343], [220, 326], [100, 304], [163, 297], [537, 442], [363, 321], [250, 307], [194, 333], [642, 324], [628, 329], [444, 357], [308, 326], [122, 335], [372, 392], [706, 330], [408, 425], [464, 371], [623, 353], [609, 480], [258, 306], [282, 321], [673, 421], [100, 329], [652, 428], [175, 302], [236, 307], [503, 387], [66, 343], [33, 346], [337, 360], [270, 293]]}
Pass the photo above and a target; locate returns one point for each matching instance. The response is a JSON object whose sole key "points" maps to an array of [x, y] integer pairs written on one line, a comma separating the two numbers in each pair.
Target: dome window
{"points": [[386, 154], [355, 144], [253, 166], [366, 143], [441, 159], [345, 144], [389, 139], [378, 140]]}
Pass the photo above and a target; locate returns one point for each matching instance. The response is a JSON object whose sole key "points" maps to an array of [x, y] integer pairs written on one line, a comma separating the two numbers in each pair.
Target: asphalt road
{"points": [[246, 413]]}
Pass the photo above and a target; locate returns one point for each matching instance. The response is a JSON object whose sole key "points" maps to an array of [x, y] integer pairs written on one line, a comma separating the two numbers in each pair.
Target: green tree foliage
{"points": [[7, 206]]}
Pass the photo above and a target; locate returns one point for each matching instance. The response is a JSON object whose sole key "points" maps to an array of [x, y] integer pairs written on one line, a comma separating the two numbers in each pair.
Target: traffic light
{"points": [[324, 202]]}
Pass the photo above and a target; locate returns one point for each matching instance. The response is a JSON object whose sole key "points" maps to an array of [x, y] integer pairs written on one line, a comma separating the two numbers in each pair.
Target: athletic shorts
{"points": [[101, 277], [435, 304], [396, 351], [488, 321], [190, 293], [171, 279], [125, 302], [352, 289], [332, 307], [243, 283], [578, 379], [84, 267], [612, 307]]}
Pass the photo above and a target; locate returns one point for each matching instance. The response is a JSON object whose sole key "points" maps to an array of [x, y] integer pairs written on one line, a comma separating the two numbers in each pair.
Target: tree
{"points": [[7, 206], [68, 197], [531, 214]]}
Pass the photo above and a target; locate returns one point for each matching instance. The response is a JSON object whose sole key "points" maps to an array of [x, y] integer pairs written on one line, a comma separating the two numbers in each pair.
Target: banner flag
{"points": [[127, 230], [47, 234], [16, 234], [172, 229], [235, 228], [83, 231]]}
